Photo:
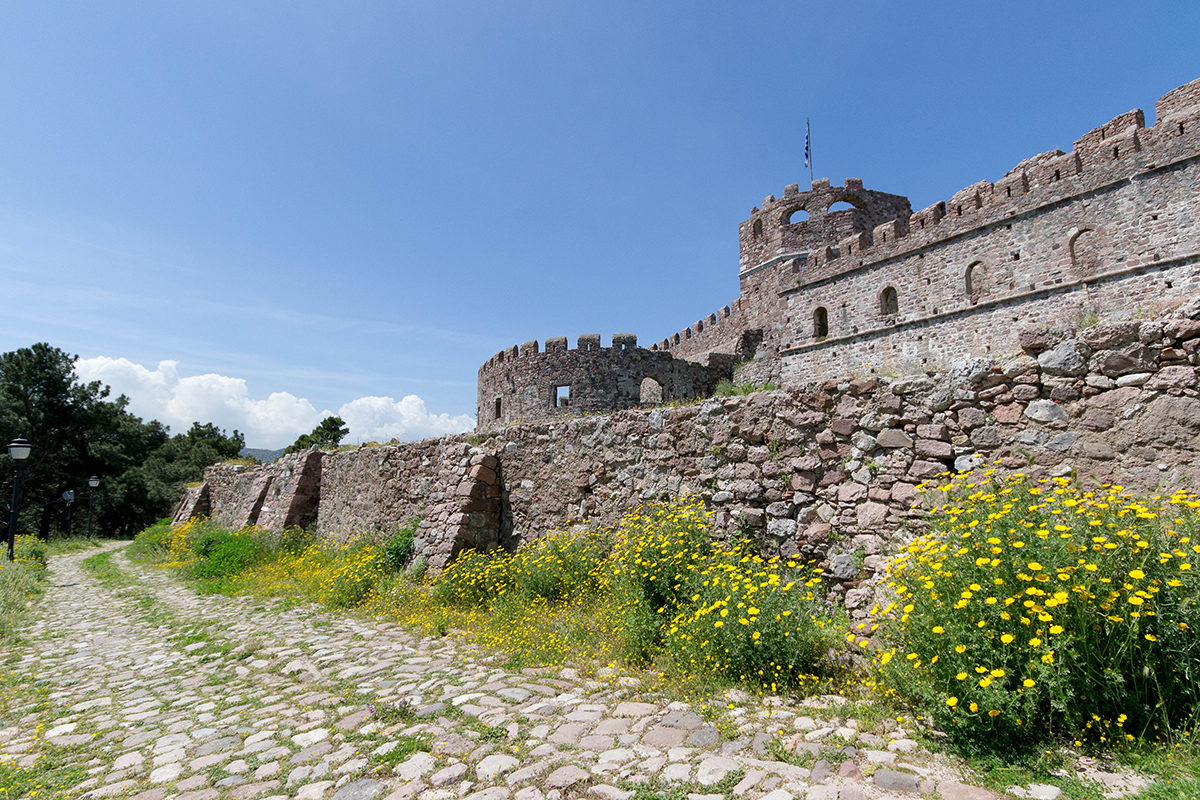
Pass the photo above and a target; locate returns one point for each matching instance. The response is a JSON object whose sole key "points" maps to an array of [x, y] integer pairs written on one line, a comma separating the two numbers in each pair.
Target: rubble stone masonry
{"points": [[828, 470]]}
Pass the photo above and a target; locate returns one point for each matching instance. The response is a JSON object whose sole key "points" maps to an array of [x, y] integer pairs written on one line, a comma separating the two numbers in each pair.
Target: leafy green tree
{"points": [[77, 431], [329, 433]]}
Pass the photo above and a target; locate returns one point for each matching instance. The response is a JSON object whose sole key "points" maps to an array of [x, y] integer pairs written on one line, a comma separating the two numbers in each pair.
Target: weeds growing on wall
{"points": [[1033, 609], [727, 388]]}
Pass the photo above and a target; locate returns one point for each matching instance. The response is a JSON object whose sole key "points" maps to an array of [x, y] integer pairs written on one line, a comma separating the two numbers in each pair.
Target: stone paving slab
{"points": [[170, 694]]}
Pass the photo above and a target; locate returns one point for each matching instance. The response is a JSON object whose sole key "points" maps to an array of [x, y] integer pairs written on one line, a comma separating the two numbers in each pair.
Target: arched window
{"points": [[796, 215], [845, 203], [889, 302], [651, 392], [976, 281], [756, 228], [820, 323]]}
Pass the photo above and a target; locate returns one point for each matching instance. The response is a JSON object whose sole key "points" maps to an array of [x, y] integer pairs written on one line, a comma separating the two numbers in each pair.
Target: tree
{"points": [[329, 433], [77, 431]]}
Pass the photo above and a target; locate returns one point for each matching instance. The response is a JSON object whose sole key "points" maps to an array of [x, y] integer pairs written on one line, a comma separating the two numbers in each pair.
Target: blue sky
{"points": [[256, 213]]}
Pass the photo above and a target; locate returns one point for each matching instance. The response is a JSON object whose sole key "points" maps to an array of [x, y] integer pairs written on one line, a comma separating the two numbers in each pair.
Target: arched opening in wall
{"points": [[756, 228], [889, 302], [560, 396], [820, 323], [976, 281], [845, 203], [651, 392], [1085, 251], [795, 215]]}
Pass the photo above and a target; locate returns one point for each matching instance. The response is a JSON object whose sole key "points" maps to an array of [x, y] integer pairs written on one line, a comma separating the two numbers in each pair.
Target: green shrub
{"points": [[223, 554], [659, 552], [1035, 609], [399, 547], [29, 550], [471, 579], [354, 574], [754, 619], [561, 565]]}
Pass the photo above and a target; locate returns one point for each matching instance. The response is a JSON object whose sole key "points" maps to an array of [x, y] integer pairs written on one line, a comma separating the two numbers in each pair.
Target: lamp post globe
{"points": [[93, 482], [18, 451]]}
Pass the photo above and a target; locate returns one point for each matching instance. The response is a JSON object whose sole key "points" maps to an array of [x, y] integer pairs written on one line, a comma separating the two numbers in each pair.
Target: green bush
{"points": [[399, 547], [20, 580], [755, 619], [354, 574], [1035, 609], [223, 554], [561, 565], [29, 550], [471, 579]]}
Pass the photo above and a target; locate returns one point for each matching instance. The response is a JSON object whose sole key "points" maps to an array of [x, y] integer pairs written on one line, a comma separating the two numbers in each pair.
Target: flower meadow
{"points": [[1021, 610]]}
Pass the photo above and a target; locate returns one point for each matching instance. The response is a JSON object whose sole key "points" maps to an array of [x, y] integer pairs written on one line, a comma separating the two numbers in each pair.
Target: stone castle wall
{"points": [[1109, 229], [525, 383], [829, 469]]}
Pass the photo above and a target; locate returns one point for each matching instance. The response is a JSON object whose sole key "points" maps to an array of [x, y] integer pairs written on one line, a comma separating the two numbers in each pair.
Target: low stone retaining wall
{"points": [[826, 470]]}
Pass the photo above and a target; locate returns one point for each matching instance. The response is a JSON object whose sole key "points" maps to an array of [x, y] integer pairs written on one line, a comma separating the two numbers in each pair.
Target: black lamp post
{"points": [[18, 451], [93, 482]]}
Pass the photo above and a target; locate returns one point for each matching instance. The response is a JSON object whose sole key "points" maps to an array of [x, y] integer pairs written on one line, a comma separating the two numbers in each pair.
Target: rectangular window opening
{"points": [[497, 408], [562, 396]]}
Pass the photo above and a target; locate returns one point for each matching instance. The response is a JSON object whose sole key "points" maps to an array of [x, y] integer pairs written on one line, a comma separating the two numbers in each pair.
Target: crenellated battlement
{"points": [[1119, 150], [799, 222], [527, 383], [839, 279], [586, 342]]}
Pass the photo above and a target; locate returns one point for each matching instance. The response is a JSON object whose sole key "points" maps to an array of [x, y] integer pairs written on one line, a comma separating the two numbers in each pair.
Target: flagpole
{"points": [[808, 148]]}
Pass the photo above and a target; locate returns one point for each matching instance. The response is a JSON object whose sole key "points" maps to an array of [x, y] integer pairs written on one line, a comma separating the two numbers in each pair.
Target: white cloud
{"points": [[382, 418], [275, 421]]}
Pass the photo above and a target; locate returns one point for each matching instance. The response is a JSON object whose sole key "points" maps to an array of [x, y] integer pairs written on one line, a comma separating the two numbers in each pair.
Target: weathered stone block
{"points": [[894, 437]]}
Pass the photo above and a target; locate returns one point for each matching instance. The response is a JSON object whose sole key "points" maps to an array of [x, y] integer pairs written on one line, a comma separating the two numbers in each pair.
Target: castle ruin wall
{"points": [[1122, 204], [828, 470], [526, 383]]}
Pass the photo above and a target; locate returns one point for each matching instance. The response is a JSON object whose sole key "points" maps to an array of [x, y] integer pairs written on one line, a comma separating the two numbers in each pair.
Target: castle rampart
{"points": [[1110, 229], [524, 383], [827, 469], [1115, 235]]}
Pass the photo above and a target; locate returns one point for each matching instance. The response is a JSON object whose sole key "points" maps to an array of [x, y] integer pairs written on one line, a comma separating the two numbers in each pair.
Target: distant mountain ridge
{"points": [[265, 456]]}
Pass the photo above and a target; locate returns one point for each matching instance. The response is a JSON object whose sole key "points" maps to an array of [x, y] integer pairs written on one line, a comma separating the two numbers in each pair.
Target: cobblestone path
{"points": [[164, 693]]}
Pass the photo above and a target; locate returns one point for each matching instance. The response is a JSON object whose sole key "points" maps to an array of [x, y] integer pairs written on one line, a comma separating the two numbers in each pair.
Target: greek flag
{"points": [[807, 148]]}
